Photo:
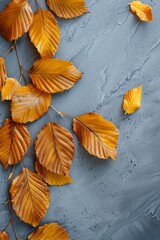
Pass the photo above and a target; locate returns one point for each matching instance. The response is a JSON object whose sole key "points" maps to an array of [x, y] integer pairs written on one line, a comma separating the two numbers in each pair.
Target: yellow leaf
{"points": [[97, 135], [44, 33], [4, 235], [29, 197], [143, 11], [29, 104], [3, 73], [67, 8], [15, 19], [132, 100], [14, 142], [50, 177], [10, 88], [54, 148], [50, 231], [54, 75]]}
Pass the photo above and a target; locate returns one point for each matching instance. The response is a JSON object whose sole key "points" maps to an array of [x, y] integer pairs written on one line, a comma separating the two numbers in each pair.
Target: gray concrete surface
{"points": [[109, 200]]}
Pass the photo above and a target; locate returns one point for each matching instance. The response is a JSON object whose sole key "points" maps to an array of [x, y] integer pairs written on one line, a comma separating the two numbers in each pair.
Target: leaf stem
{"points": [[12, 222], [6, 226], [9, 50], [61, 114], [38, 4]]}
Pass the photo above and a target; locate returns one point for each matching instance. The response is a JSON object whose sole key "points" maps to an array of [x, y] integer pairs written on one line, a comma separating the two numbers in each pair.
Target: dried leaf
{"points": [[44, 33], [3, 73], [54, 75], [67, 9], [29, 104], [14, 142], [29, 197], [143, 11], [97, 135], [4, 235], [55, 148], [52, 178], [10, 88], [15, 19], [132, 100], [49, 231]]}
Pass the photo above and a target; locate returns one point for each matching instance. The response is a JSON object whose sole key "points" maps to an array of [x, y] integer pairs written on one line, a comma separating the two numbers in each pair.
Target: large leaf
{"points": [[10, 88], [29, 197], [50, 231], [29, 104], [67, 8], [97, 135], [14, 142], [4, 235], [54, 75], [143, 11], [55, 148], [3, 73], [44, 33], [15, 19]]}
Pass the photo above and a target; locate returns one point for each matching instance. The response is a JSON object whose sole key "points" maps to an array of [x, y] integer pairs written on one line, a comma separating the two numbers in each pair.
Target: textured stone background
{"points": [[110, 200]]}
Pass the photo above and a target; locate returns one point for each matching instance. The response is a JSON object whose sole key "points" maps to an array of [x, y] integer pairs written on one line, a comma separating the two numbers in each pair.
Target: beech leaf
{"points": [[143, 11], [10, 88], [3, 73], [4, 235]]}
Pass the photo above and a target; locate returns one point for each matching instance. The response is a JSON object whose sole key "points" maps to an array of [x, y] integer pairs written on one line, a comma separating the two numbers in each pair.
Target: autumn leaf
{"points": [[67, 9], [14, 142], [132, 100], [15, 19], [10, 88], [3, 73], [143, 11], [54, 148], [44, 33], [29, 197], [4, 235], [97, 135], [50, 177], [29, 104], [54, 75], [49, 231]]}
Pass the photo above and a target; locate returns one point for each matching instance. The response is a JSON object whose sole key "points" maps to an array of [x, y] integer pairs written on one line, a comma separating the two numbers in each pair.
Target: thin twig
{"points": [[6, 226], [12, 222], [9, 50]]}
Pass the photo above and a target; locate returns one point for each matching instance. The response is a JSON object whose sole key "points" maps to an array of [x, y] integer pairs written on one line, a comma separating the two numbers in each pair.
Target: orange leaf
{"points": [[3, 73], [29, 104], [14, 142], [132, 100], [55, 148], [4, 235], [9, 89], [49, 231], [67, 9], [29, 197], [54, 75], [143, 11], [97, 135], [15, 19]]}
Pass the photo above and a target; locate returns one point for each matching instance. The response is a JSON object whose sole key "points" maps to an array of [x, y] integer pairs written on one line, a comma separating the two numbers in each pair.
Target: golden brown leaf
{"points": [[97, 135], [55, 148], [4, 235], [29, 197], [29, 104], [67, 9], [132, 100], [15, 19], [50, 231], [51, 177], [10, 88], [14, 142], [3, 73], [143, 11], [54, 75]]}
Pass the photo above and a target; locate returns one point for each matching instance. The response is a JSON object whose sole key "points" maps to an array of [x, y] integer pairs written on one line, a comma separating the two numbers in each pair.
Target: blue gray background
{"points": [[109, 200]]}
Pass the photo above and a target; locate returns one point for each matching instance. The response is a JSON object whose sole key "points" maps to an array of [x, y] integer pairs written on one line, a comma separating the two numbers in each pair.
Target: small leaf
{"points": [[29, 197], [132, 100], [14, 142], [29, 104], [55, 148], [3, 73], [10, 88], [97, 135], [54, 75], [15, 19], [4, 235], [50, 177], [49, 231], [44, 33], [143, 11]]}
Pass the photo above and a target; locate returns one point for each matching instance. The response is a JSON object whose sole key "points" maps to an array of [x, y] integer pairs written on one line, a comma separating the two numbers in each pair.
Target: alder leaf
{"points": [[10, 88], [143, 11], [50, 177], [3, 73], [29, 197], [44, 33], [54, 148], [54, 75], [4, 235], [15, 19], [132, 100], [67, 9], [14, 142], [49, 231], [97, 135], [29, 104]]}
